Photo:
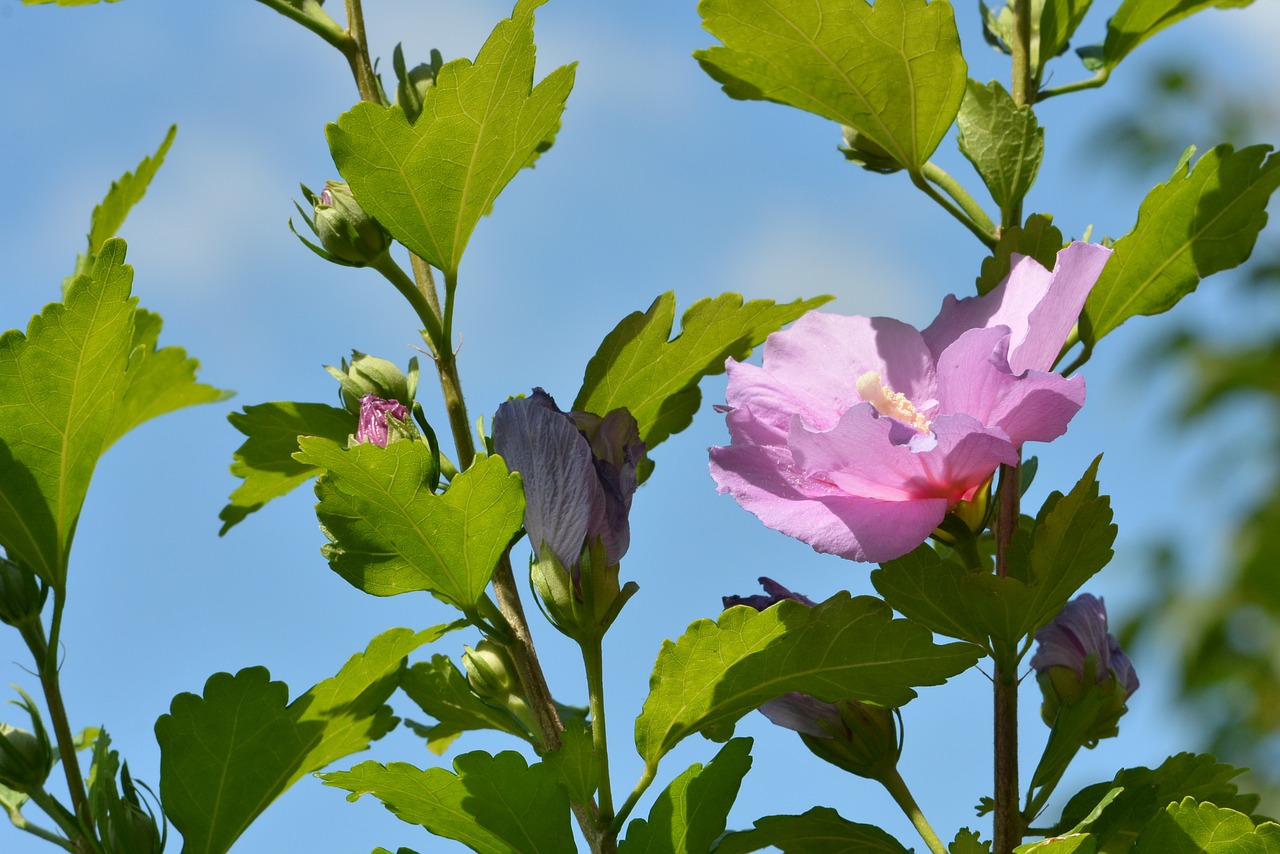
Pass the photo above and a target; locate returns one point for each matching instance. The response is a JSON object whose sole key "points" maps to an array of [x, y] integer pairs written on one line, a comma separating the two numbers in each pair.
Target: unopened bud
{"points": [[369, 375], [345, 230], [383, 422], [26, 758], [21, 594], [490, 670]]}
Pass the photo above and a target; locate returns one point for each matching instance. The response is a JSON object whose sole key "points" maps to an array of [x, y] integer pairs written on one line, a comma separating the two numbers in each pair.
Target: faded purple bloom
{"points": [[579, 473], [857, 434], [1075, 634], [372, 427]]}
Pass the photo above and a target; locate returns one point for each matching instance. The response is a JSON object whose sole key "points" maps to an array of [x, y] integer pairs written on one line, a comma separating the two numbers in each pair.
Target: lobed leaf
{"points": [[124, 193], [493, 804], [1072, 843], [265, 461], [640, 367], [821, 830], [1189, 827], [1203, 221], [892, 71], [845, 648], [1148, 791], [226, 755], [1138, 20], [389, 533], [440, 690], [691, 813], [430, 182], [1037, 238], [575, 764], [86, 372]]}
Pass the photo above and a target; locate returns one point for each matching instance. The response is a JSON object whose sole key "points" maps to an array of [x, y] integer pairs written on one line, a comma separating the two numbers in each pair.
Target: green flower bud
{"points": [[345, 230], [368, 375], [862, 739], [26, 758], [131, 824], [21, 594], [581, 604], [868, 154], [490, 670]]}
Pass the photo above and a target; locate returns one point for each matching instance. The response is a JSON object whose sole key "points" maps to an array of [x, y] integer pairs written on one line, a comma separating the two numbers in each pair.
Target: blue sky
{"points": [[657, 182]]}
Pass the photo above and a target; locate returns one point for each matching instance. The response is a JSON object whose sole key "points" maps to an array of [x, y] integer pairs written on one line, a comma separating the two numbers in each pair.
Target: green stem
{"points": [[426, 282], [313, 17], [953, 188], [988, 238], [427, 314], [357, 54], [593, 661], [646, 779], [1009, 826], [1024, 88], [46, 657], [1093, 82], [897, 787]]}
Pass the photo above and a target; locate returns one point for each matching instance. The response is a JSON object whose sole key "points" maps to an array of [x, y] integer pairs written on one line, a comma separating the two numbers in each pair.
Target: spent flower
{"points": [[857, 435]]}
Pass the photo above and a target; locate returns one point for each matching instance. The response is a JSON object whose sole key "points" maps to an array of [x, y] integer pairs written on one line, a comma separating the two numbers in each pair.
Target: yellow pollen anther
{"points": [[891, 403]]}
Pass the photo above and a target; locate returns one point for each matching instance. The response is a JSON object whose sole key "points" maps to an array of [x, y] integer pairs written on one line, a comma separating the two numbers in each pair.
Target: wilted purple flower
{"points": [[1075, 634], [374, 411], [579, 473], [857, 434], [859, 738]]}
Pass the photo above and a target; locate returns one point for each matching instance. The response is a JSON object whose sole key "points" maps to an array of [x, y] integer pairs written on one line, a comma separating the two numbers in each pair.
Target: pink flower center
{"points": [[891, 403]]}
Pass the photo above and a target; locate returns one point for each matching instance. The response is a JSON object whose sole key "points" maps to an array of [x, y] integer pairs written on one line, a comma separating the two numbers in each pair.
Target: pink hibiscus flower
{"points": [[857, 433]]}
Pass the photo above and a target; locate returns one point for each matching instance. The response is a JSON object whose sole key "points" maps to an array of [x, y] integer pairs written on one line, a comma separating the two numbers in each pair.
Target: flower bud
{"points": [[345, 230], [490, 670], [866, 153], [382, 422], [131, 824], [21, 594], [369, 375], [862, 740], [1075, 653], [26, 758]]}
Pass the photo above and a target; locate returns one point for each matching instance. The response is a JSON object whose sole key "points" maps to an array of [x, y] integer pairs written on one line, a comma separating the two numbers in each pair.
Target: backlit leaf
{"points": [[819, 831]]}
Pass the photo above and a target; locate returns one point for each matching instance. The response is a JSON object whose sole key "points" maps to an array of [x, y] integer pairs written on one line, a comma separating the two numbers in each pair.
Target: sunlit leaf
{"points": [[718, 671], [1202, 221], [389, 533], [893, 71], [440, 690], [430, 182], [1189, 827], [691, 812], [1003, 141], [493, 804], [265, 461], [1138, 20]]}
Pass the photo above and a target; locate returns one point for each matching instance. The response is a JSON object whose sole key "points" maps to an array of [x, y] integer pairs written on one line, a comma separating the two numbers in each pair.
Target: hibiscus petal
{"points": [[766, 482], [819, 359], [974, 378], [536, 439], [1039, 307]]}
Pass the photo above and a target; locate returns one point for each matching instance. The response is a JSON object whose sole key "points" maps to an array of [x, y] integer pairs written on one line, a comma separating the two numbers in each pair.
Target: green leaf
{"points": [[265, 461], [1189, 827], [637, 367], [575, 764], [893, 71], [493, 805], [1069, 545], [819, 831], [126, 192], [225, 756], [1201, 222], [844, 648], [1037, 238], [1147, 792], [1059, 20], [1138, 20], [690, 814], [1003, 141], [440, 690], [69, 388], [429, 183], [1074, 843], [968, 842], [389, 534]]}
